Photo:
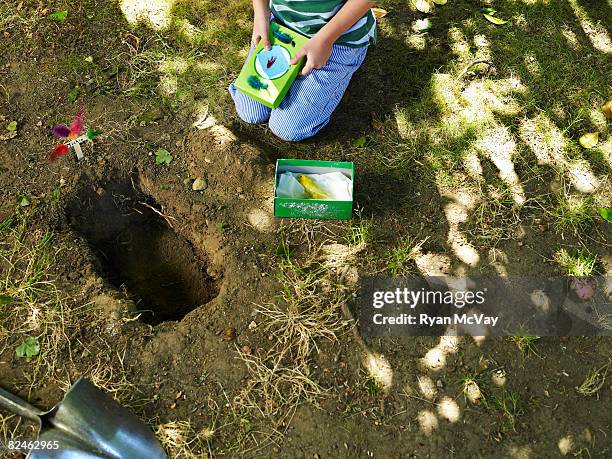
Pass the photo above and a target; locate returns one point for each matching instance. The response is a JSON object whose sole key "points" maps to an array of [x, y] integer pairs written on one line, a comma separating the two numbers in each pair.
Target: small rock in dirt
{"points": [[440, 384], [252, 325], [246, 350], [229, 333], [199, 184]]}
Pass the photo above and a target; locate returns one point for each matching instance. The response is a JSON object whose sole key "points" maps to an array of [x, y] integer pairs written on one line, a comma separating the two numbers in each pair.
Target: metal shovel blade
{"points": [[87, 424]]}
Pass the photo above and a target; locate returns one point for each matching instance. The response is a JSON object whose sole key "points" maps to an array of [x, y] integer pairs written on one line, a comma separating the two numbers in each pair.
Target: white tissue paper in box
{"points": [[334, 184], [289, 187]]}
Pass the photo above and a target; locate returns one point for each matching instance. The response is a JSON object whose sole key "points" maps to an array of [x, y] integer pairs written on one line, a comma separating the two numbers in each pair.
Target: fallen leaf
{"points": [[4, 299], [379, 13], [6, 34], [422, 25], [488, 10], [58, 16], [178, 395], [440, 2], [30, 347], [606, 213], [607, 109], [494, 20], [360, 142], [163, 157], [589, 140], [378, 125], [229, 333], [25, 201], [12, 126], [423, 6]]}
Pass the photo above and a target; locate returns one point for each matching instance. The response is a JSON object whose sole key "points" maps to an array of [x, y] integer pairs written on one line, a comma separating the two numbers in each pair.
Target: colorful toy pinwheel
{"points": [[73, 134]]}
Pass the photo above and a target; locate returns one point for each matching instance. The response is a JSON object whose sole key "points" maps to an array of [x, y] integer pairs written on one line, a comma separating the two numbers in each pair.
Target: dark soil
{"points": [[138, 251]]}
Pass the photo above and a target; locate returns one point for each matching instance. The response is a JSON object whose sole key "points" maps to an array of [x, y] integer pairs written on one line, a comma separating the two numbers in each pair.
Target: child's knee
{"points": [[291, 130], [252, 116], [249, 110]]}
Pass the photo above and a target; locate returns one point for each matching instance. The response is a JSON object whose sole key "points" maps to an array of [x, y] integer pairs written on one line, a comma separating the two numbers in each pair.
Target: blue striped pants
{"points": [[310, 101]]}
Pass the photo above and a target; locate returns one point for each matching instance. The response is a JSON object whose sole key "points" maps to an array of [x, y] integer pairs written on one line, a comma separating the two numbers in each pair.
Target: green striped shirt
{"points": [[309, 16]]}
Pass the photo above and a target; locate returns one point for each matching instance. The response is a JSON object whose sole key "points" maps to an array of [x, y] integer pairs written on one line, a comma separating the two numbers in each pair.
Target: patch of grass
{"points": [[579, 264], [373, 386], [594, 381], [400, 258], [38, 308], [359, 232], [506, 405], [309, 310], [525, 343], [573, 212]]}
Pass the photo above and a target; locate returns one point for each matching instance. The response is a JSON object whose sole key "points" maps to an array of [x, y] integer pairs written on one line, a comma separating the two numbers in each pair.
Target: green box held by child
{"points": [[267, 75]]}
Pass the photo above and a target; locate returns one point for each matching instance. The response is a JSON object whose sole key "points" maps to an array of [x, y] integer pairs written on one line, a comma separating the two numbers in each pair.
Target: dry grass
{"points": [[181, 440], [309, 310], [39, 309], [594, 381]]}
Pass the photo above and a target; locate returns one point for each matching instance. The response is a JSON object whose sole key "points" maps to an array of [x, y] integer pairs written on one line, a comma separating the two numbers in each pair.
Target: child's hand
{"points": [[317, 51], [261, 27]]}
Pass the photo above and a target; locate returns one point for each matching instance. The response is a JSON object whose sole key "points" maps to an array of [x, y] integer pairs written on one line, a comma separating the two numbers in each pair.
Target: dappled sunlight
{"points": [[435, 358], [154, 13], [472, 165], [458, 43], [532, 65], [547, 143], [428, 422], [540, 300], [498, 259], [521, 452], [597, 34], [449, 409], [475, 105], [570, 37], [483, 98], [405, 128], [433, 264], [188, 31], [417, 41], [457, 212], [565, 445], [498, 378], [378, 367], [544, 139], [581, 176], [499, 146], [427, 387], [479, 339]]}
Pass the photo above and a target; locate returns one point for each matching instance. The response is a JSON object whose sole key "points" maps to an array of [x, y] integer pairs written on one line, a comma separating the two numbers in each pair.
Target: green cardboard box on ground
{"points": [[313, 208]]}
